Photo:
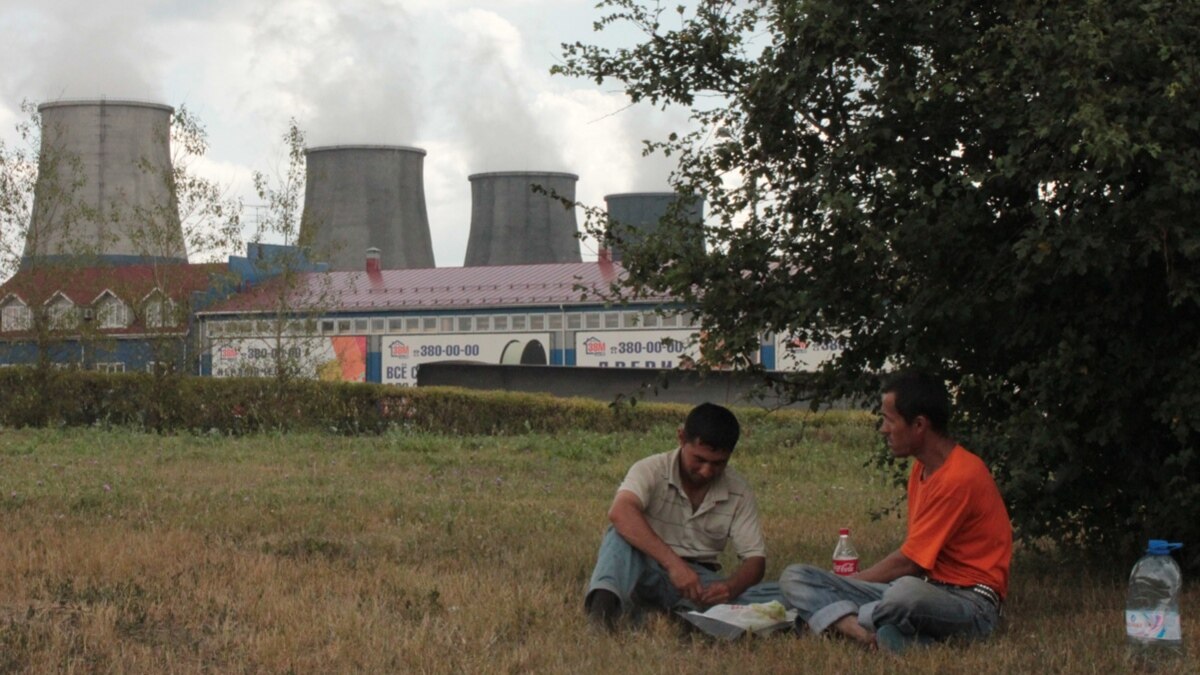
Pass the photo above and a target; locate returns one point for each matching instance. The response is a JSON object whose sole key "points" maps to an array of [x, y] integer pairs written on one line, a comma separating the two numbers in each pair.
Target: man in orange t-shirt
{"points": [[950, 576]]}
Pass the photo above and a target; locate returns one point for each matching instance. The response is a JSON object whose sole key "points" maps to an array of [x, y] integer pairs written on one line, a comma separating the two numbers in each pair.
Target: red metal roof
{"points": [[439, 288], [131, 283]]}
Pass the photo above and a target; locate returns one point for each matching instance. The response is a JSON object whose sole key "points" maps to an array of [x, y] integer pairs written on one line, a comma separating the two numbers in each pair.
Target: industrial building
{"points": [[512, 224], [364, 300], [381, 325], [104, 187], [366, 196]]}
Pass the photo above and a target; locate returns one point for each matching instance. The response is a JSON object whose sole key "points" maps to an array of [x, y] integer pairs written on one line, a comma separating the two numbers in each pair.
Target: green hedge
{"points": [[246, 405]]}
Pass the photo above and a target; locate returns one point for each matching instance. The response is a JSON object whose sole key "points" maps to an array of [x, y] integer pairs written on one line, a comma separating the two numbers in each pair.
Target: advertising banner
{"points": [[648, 348], [794, 354], [341, 358], [403, 354]]}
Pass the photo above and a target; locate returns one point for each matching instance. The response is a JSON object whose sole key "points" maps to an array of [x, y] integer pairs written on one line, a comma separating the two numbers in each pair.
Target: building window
{"points": [[377, 325], [360, 325], [483, 323], [160, 312], [464, 324], [631, 320], [612, 320], [114, 367], [574, 321], [670, 321], [343, 325], [429, 324], [61, 313], [592, 321], [159, 367], [396, 323], [500, 322], [447, 324], [555, 322], [15, 316], [112, 312], [650, 320], [411, 324], [326, 326], [518, 322], [537, 322]]}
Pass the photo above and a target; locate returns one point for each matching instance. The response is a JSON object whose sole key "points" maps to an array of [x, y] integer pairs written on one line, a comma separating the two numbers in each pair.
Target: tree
{"points": [[1002, 192], [281, 337], [209, 223]]}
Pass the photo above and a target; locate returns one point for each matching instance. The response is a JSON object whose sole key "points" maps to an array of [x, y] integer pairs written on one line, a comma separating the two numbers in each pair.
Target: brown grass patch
{"points": [[135, 553]]}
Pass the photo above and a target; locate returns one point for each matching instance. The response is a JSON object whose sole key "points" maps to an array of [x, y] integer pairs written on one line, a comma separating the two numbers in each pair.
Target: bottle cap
{"points": [[1162, 547], [846, 531]]}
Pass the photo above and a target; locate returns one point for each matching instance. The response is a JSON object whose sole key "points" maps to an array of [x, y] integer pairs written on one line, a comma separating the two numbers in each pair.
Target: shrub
{"points": [[246, 405]]}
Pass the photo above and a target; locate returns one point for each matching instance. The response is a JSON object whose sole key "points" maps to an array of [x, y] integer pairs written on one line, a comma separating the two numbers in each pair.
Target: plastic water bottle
{"points": [[1152, 626], [845, 558]]}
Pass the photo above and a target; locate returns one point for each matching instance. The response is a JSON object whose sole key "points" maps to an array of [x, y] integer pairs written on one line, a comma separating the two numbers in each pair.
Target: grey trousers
{"points": [[919, 609]]}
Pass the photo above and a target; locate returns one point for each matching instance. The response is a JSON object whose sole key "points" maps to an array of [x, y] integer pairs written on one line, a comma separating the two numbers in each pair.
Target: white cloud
{"points": [[77, 49], [448, 199], [490, 93], [466, 80]]}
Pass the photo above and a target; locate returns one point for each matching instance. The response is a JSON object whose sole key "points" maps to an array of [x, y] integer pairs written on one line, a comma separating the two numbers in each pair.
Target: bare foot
{"points": [[849, 627]]}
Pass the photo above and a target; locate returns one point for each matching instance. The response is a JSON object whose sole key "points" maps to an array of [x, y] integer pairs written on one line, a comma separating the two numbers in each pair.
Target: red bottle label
{"points": [[845, 567]]}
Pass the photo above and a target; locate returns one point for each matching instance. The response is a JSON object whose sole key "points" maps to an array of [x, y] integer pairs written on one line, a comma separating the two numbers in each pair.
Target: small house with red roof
{"points": [[110, 318]]}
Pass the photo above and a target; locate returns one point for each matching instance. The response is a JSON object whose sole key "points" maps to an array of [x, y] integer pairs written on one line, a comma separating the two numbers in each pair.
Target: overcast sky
{"points": [[467, 80]]}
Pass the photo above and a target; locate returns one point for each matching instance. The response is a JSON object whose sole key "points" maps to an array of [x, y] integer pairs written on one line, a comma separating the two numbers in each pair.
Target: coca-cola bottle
{"points": [[845, 558]]}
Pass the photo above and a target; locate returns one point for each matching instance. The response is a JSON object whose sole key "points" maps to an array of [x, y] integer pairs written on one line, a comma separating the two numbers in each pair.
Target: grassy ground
{"points": [[125, 552]]}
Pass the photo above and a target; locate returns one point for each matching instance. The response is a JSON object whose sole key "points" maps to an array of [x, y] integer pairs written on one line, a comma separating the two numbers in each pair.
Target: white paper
{"points": [[730, 621]]}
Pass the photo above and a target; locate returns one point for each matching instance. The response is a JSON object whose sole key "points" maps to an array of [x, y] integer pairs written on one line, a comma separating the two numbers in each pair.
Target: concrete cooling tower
{"points": [[638, 214], [105, 186], [513, 225], [366, 196]]}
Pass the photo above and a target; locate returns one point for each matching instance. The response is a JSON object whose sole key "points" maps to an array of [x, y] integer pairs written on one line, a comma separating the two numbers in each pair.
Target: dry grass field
{"points": [[135, 553]]}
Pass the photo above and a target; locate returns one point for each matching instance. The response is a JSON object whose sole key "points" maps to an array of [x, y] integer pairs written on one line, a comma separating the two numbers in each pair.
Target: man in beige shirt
{"points": [[671, 519]]}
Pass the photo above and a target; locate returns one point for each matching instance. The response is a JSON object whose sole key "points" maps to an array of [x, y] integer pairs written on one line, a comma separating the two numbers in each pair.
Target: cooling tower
{"points": [[638, 214], [105, 186], [366, 196], [513, 225]]}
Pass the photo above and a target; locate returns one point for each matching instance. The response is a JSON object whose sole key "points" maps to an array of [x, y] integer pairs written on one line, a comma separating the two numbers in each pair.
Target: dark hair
{"points": [[918, 393], [712, 425]]}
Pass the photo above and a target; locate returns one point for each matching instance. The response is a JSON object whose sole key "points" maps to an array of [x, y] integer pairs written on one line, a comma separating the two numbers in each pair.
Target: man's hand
{"points": [[686, 581], [716, 593]]}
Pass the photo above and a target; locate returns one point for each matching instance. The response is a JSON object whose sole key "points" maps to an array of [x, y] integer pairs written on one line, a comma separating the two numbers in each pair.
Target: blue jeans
{"points": [[920, 610], [638, 580]]}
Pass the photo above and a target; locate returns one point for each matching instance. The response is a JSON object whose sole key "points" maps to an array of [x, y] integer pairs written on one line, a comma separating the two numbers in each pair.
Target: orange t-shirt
{"points": [[958, 528]]}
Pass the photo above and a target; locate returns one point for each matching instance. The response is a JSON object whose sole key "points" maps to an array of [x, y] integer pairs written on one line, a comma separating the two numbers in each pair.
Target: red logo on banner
{"points": [[796, 345], [594, 346], [229, 353], [399, 349]]}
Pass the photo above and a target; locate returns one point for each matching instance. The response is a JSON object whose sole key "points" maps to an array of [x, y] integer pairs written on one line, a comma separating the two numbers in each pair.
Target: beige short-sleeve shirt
{"points": [[728, 511]]}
